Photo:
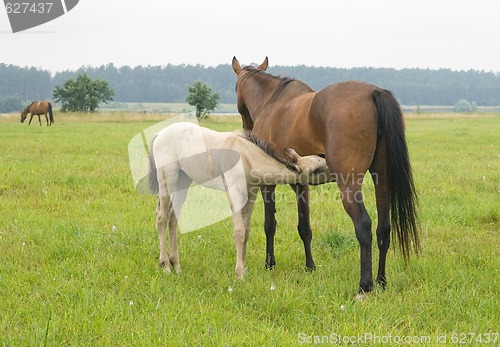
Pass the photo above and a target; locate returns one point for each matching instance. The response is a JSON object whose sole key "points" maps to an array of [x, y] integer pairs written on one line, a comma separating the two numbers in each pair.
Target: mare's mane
{"points": [[283, 82], [26, 109]]}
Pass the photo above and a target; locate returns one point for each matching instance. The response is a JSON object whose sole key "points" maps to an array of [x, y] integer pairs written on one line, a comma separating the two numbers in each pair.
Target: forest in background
{"points": [[170, 83]]}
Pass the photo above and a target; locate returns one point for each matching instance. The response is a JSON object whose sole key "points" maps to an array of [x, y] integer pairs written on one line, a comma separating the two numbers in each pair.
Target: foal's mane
{"points": [[282, 81], [272, 150]]}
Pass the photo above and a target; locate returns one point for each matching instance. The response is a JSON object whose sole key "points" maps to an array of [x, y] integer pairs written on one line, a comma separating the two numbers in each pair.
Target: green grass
{"points": [[78, 249]]}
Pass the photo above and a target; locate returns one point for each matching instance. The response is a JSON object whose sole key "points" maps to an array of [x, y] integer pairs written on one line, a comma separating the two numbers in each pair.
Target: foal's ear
{"points": [[236, 65], [264, 65], [294, 155]]}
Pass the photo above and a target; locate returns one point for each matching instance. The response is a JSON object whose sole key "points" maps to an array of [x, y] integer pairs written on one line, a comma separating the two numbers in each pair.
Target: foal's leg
{"points": [[239, 241], [178, 199], [352, 200], [269, 223], [162, 215], [304, 227], [247, 219]]}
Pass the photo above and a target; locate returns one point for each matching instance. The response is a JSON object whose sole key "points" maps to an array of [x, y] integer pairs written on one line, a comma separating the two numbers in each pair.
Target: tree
{"points": [[462, 105], [83, 94], [11, 104], [201, 97]]}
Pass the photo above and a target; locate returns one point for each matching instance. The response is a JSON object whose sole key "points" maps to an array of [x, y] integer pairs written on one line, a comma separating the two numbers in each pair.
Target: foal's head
{"points": [[311, 168]]}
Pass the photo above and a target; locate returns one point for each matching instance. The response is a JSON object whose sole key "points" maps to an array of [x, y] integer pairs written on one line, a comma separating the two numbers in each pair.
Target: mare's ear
{"points": [[294, 155], [236, 65], [264, 65]]}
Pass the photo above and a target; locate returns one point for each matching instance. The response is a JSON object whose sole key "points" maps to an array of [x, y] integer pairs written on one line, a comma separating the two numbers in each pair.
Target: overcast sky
{"points": [[455, 34]]}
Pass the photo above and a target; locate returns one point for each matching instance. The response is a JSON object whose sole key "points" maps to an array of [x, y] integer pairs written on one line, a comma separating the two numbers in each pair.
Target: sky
{"points": [[454, 34]]}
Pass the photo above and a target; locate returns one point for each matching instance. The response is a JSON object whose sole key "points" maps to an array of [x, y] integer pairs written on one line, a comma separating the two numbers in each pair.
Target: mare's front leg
{"points": [[39, 120], [269, 223], [31, 118], [304, 226]]}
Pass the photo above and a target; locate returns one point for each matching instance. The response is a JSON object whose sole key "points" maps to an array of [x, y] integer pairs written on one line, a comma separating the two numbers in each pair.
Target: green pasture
{"points": [[79, 250]]}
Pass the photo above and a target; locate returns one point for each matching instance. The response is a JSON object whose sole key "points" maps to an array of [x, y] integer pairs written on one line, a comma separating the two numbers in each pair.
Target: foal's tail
{"points": [[51, 115], [154, 186], [402, 193]]}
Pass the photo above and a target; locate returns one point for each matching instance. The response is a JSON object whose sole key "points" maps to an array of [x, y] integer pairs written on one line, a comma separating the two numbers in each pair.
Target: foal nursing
{"points": [[184, 153]]}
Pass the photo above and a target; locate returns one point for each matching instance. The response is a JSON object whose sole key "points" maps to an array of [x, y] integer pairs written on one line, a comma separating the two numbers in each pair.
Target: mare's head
{"points": [[25, 112], [310, 169], [242, 74]]}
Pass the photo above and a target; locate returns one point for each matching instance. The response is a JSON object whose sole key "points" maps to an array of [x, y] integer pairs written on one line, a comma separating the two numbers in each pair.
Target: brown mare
{"points": [[37, 108], [359, 127]]}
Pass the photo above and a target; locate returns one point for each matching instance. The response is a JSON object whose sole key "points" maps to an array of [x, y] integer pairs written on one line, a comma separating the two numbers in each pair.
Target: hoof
{"points": [[382, 282], [270, 266], [270, 262], [361, 297], [165, 266], [240, 273], [310, 268]]}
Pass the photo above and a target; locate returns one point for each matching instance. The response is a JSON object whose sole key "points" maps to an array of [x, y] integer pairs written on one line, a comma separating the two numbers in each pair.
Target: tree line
{"points": [[170, 83]]}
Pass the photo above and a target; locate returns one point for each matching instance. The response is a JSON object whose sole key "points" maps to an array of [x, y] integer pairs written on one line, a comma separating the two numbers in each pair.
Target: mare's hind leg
{"points": [[379, 176], [269, 223], [304, 227], [47, 119], [352, 200]]}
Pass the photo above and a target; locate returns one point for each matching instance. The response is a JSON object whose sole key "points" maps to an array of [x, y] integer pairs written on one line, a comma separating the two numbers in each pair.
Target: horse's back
{"points": [[202, 154]]}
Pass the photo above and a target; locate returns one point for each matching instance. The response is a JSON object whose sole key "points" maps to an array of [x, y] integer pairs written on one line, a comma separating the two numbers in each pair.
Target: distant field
{"points": [[231, 108], [162, 107], [78, 249]]}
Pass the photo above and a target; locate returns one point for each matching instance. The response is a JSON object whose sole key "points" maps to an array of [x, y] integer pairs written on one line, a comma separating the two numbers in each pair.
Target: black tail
{"points": [[153, 174], [51, 115], [403, 196]]}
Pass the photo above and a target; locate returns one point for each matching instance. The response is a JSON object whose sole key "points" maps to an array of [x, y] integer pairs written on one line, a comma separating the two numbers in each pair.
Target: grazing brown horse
{"points": [[37, 108], [359, 127]]}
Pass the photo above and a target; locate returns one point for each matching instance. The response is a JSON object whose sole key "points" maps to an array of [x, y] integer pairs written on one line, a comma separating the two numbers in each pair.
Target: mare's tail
{"points": [[51, 115], [402, 193], [154, 186]]}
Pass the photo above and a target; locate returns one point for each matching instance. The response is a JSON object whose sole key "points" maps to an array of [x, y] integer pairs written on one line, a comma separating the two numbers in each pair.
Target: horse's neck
{"points": [[261, 166], [272, 101]]}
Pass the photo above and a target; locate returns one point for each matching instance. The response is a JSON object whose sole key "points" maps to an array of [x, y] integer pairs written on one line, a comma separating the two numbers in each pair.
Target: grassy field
{"points": [[78, 250]]}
